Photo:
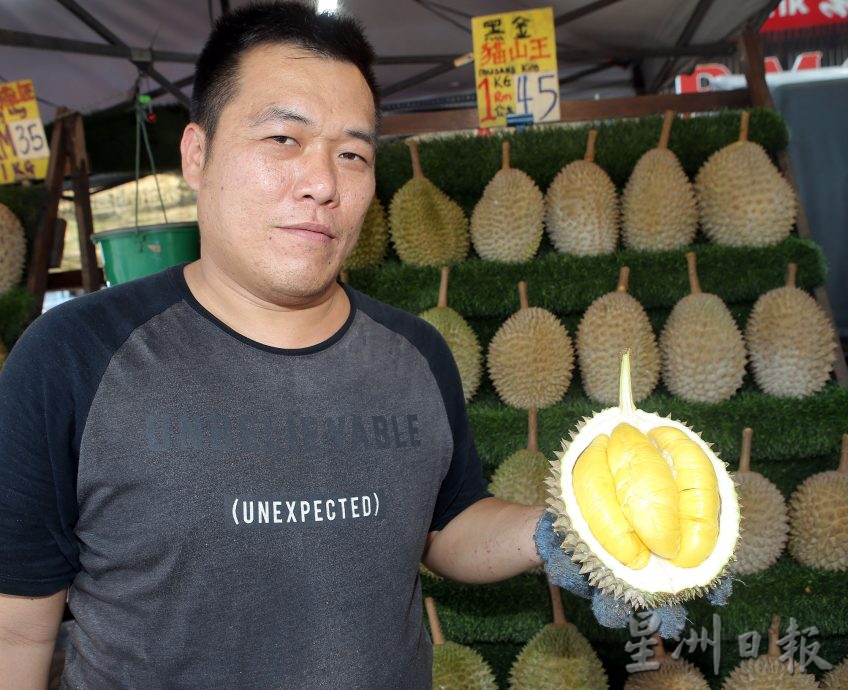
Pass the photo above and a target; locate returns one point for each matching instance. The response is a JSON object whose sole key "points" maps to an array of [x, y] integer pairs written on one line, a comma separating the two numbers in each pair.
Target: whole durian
{"points": [[837, 679], [703, 353], [461, 339], [530, 358], [768, 672], [522, 477], [743, 199], [558, 657], [658, 207], [765, 523], [3, 354], [644, 505], [12, 249], [370, 248], [581, 207], [672, 674], [455, 666], [818, 518], [508, 221], [427, 227], [791, 341], [613, 323]]}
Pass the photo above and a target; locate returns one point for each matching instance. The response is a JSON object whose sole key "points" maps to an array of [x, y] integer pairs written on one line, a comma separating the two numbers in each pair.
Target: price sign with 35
{"points": [[24, 152]]}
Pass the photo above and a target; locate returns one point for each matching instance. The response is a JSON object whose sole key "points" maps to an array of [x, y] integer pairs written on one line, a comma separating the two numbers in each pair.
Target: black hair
{"points": [[331, 36]]}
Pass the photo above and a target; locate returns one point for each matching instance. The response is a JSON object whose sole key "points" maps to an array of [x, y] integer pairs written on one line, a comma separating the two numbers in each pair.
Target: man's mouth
{"points": [[315, 232]]}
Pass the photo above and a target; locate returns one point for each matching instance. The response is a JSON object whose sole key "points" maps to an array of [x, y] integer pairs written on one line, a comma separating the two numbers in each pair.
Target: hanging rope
{"points": [[143, 109]]}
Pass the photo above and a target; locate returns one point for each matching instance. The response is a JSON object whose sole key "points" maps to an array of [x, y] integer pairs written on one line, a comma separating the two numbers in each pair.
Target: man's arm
{"points": [[28, 629], [491, 540]]}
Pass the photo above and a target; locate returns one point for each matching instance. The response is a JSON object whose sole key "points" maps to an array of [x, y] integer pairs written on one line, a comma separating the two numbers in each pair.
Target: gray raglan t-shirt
{"points": [[228, 514]]}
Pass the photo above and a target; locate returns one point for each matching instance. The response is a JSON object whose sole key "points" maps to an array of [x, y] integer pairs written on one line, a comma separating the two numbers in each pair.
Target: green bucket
{"points": [[130, 253]]}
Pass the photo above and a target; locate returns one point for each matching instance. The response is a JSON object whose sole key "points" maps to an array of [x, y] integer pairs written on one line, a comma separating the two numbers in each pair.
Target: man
{"points": [[233, 468]]}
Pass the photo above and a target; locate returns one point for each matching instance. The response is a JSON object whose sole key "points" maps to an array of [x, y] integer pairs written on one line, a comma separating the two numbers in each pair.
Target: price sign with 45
{"points": [[537, 93]]}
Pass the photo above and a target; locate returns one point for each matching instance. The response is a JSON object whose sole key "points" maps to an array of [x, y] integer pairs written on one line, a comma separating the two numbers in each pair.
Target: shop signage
{"points": [[803, 14], [515, 66], [24, 152]]}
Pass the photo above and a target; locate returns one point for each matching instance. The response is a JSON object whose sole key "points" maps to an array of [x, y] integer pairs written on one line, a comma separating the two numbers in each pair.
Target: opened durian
{"points": [[12, 249], [791, 341], [703, 353], [768, 672], [672, 674], [455, 666], [427, 227], [818, 518], [461, 339], [522, 477], [743, 199], [765, 523], [581, 207], [644, 505], [530, 358], [558, 657], [613, 323], [370, 248], [658, 207], [508, 221], [837, 679]]}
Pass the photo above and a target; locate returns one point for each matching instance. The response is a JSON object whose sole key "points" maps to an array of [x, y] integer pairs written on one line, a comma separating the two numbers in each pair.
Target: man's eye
{"points": [[350, 155], [284, 140]]}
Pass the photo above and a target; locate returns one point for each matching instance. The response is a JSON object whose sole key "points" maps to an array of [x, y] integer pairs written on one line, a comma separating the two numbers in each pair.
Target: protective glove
{"points": [[608, 611]]}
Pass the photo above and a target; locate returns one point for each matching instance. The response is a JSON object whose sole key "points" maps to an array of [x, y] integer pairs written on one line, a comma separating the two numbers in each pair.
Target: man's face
{"points": [[283, 191]]}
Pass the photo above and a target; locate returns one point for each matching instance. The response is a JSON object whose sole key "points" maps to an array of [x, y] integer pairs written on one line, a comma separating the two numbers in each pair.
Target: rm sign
{"points": [[23, 145]]}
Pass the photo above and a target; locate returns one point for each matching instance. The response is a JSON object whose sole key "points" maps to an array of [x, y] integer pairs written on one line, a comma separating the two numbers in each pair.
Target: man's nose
{"points": [[317, 178]]}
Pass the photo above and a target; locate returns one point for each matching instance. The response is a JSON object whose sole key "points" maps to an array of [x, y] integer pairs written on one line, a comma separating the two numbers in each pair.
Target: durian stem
{"points": [[694, 283], [791, 274], [590, 145], [556, 602], [345, 276], [843, 455], [668, 121], [774, 635], [532, 429], [625, 388], [743, 127], [659, 648], [623, 279], [505, 156], [435, 625], [745, 455], [443, 288], [522, 295], [416, 161]]}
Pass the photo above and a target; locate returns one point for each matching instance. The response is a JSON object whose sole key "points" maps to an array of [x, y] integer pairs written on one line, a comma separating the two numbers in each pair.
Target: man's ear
{"points": [[193, 150]]}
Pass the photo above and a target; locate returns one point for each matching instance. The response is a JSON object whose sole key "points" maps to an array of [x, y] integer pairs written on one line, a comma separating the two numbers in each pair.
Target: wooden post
{"points": [[82, 202]]}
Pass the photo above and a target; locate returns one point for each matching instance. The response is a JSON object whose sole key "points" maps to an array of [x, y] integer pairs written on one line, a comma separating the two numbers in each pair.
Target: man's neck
{"points": [[290, 327]]}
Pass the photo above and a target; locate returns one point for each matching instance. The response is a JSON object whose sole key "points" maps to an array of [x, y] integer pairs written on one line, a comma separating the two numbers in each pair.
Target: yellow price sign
{"points": [[24, 152], [515, 66]]}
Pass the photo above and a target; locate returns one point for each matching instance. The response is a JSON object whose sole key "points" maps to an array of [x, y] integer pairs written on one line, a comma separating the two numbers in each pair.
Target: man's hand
{"points": [[28, 629], [491, 540]]}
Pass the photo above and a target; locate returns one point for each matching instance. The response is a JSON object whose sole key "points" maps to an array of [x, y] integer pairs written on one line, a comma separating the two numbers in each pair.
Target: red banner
{"points": [[803, 14]]}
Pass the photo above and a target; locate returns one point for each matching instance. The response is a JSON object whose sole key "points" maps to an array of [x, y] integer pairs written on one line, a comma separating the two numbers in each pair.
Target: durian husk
{"points": [[12, 249], [456, 666], [837, 678], [370, 247], [768, 672], [743, 199], [672, 674], [461, 339], [581, 207], [522, 477], [613, 323], [791, 342], [427, 227], [658, 206], [659, 583], [530, 358], [765, 522], [703, 353], [508, 222], [818, 518]]}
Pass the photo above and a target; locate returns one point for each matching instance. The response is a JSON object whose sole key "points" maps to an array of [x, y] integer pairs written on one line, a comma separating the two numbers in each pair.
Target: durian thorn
{"points": [[745, 455], [532, 429], [625, 388], [743, 127], [791, 274], [843, 455], [659, 647], [668, 121], [443, 288], [505, 156], [692, 263], [556, 603], [623, 279], [417, 173], [435, 625], [590, 145], [522, 295], [344, 276], [774, 635]]}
